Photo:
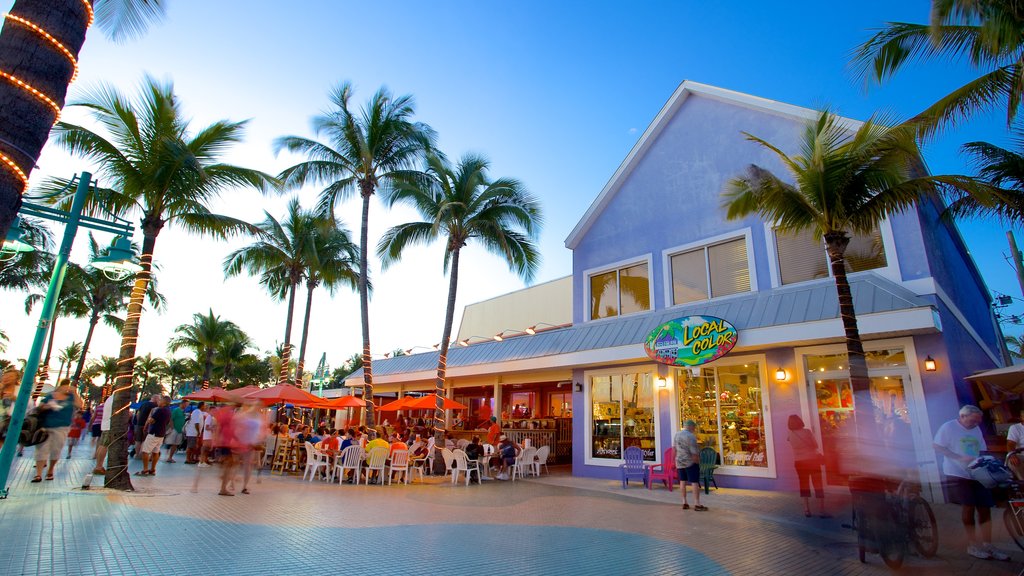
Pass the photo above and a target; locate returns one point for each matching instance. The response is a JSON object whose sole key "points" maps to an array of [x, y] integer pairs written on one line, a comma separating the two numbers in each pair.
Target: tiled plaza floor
{"points": [[553, 525]]}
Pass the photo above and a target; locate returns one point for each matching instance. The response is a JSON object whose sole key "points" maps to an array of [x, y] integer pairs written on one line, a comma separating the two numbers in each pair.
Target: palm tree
{"points": [[164, 174], [279, 256], [144, 367], [176, 369], [331, 259], [71, 303], [1015, 345], [458, 205], [25, 117], [846, 182], [202, 336], [107, 366], [1003, 171], [67, 355], [989, 33], [104, 298], [364, 151], [230, 352]]}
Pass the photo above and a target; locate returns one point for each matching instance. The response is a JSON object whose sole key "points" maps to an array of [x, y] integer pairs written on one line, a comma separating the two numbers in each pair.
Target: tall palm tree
{"points": [[331, 260], [364, 151], [203, 336], [1003, 171], [107, 366], [25, 117], [71, 303], [165, 174], [176, 369], [105, 298], [989, 33], [845, 182], [458, 205], [146, 366], [67, 355], [279, 256], [229, 353]]}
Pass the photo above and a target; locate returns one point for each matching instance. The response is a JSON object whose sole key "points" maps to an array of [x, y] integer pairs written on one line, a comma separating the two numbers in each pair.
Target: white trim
{"points": [[651, 369], [920, 423], [668, 253], [682, 92], [617, 267], [891, 270]]}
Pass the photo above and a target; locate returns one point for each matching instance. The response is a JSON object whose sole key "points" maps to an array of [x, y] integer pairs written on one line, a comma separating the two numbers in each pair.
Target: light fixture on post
{"points": [[13, 244], [780, 374], [119, 261], [929, 364], [464, 342], [72, 220], [498, 337]]}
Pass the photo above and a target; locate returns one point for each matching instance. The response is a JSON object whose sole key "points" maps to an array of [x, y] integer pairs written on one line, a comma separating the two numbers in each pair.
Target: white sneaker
{"points": [[203, 465], [978, 552], [995, 553], [502, 476]]}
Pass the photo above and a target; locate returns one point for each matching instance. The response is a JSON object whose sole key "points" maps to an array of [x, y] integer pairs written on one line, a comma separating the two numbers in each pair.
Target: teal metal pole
{"points": [[49, 305]]}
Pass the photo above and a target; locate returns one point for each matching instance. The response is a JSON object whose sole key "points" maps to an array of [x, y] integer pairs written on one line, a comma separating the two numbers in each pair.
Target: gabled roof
{"points": [[788, 306], [685, 90]]}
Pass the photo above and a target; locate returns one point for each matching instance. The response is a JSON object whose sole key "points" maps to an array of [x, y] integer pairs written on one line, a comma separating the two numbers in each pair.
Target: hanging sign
{"points": [[690, 341]]}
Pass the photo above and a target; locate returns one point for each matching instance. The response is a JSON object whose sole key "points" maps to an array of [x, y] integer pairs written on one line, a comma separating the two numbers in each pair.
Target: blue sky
{"points": [[555, 94]]}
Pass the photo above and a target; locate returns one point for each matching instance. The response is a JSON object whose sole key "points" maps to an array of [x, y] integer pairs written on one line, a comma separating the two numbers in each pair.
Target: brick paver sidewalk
{"points": [[556, 524]]}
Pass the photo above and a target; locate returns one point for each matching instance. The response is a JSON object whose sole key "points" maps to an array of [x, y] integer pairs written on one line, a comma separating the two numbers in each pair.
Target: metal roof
{"points": [[806, 302]]}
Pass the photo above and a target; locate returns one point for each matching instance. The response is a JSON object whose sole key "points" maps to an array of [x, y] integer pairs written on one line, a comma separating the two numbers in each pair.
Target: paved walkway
{"points": [[556, 524]]}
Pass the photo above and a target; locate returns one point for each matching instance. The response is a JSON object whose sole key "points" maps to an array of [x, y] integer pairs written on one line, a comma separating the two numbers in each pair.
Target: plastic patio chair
{"points": [[463, 464], [542, 459], [524, 463], [708, 463], [665, 472], [633, 466], [376, 460], [449, 461], [399, 464], [351, 458], [315, 462]]}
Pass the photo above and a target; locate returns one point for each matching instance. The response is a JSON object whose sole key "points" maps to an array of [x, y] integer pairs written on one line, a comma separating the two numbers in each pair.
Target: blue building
{"points": [[655, 246]]}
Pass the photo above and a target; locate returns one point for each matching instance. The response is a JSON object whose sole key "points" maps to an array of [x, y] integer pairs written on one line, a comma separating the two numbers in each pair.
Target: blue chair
{"points": [[633, 466]]}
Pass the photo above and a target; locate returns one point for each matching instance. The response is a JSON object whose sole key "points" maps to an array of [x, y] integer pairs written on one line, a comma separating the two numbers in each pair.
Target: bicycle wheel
{"points": [[923, 529], [1013, 517]]}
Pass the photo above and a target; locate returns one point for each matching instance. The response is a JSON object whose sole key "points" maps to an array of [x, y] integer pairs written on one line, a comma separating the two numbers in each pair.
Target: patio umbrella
{"points": [[343, 402], [215, 395], [1009, 379], [427, 403], [284, 393], [399, 404]]}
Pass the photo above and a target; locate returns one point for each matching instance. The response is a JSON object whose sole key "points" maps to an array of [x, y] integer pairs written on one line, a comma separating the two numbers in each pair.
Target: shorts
{"points": [[53, 448], [96, 431], [139, 433], [223, 451], [690, 474], [106, 438], [967, 492], [151, 445], [191, 442], [173, 438]]}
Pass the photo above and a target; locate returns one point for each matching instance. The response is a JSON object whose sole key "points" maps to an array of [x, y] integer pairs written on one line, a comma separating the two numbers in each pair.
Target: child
{"points": [[77, 425]]}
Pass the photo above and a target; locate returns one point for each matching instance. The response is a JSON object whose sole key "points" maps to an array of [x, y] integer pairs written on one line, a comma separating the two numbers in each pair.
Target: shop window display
{"points": [[727, 404], [623, 415]]}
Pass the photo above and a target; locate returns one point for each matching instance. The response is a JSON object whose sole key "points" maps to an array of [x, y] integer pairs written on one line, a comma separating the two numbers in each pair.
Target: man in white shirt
{"points": [[101, 448], [194, 433], [960, 442], [207, 444]]}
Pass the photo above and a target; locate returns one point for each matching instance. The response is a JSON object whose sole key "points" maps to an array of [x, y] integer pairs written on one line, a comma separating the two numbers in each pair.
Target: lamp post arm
{"points": [[45, 318]]}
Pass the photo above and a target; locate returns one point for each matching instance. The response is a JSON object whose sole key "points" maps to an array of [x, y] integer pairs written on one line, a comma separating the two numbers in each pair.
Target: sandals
{"points": [[700, 508], [686, 506], [49, 477], [37, 479]]}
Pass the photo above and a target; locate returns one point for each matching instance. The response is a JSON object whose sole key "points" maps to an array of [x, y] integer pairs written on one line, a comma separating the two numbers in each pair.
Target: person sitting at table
{"points": [[449, 441], [397, 444], [376, 441], [474, 451], [330, 444], [507, 451], [347, 439]]}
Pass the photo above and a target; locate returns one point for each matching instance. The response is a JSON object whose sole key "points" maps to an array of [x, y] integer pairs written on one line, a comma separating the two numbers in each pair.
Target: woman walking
{"points": [[808, 461]]}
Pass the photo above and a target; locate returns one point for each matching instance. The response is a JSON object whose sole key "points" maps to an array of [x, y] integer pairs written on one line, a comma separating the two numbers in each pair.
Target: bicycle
{"points": [[889, 520], [1013, 516]]}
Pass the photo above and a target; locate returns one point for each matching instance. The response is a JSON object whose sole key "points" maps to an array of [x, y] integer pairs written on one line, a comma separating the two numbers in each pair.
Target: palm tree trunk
{"points": [[117, 454], [25, 119], [442, 357], [44, 369], [310, 287], [836, 244], [286, 352], [93, 320], [207, 368], [366, 190]]}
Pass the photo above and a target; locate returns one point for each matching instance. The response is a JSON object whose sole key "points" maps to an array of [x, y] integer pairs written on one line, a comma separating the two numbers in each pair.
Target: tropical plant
{"points": [[44, 71], [988, 33], [203, 336], [3, 341], [331, 260], [458, 205], [1003, 171], [70, 353], [29, 269], [230, 352], [107, 367], [364, 151], [846, 180], [1015, 346], [176, 369], [164, 174], [148, 370], [279, 257]]}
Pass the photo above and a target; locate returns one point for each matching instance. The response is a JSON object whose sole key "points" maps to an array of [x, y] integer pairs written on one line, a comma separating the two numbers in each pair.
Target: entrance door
{"points": [[833, 401]]}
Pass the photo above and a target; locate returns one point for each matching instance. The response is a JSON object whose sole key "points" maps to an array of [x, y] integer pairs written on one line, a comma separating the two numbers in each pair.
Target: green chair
{"points": [[708, 463]]}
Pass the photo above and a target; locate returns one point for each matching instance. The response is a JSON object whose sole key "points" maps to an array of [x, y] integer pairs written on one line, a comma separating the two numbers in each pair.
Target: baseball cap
{"points": [[689, 423], [502, 437]]}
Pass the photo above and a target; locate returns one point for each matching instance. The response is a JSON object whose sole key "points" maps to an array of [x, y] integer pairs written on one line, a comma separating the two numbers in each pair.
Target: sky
{"points": [[553, 93]]}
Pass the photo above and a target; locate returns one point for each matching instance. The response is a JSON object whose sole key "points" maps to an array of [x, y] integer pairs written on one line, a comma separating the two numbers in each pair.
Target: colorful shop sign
{"points": [[690, 341]]}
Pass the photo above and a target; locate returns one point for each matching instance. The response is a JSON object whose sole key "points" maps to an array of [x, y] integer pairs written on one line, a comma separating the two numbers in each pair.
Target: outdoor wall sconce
{"points": [[780, 374], [662, 382], [578, 387], [929, 364]]}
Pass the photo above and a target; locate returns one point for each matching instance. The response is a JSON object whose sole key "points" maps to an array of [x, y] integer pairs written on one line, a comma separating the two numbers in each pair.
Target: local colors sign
{"points": [[690, 341]]}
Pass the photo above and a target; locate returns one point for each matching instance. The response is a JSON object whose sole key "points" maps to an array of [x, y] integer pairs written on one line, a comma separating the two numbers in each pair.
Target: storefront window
{"points": [[560, 404], [727, 404], [623, 414], [622, 291]]}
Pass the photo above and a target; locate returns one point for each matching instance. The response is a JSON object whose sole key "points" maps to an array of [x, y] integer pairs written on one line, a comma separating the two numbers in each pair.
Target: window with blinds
{"points": [[802, 256], [621, 291], [716, 270]]}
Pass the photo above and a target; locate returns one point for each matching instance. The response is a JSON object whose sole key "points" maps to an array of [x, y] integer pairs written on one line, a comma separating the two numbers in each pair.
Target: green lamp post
{"points": [[72, 219]]}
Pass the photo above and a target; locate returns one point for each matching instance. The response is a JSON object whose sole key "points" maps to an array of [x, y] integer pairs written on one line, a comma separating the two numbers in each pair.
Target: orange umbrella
{"points": [[284, 393], [428, 403], [399, 404], [215, 395], [343, 402]]}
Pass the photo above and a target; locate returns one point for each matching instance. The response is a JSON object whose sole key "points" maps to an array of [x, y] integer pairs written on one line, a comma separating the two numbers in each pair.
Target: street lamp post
{"points": [[73, 220]]}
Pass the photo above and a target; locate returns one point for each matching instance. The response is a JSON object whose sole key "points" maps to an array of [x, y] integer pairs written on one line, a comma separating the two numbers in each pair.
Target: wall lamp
{"points": [[780, 374], [929, 364], [662, 382], [578, 387]]}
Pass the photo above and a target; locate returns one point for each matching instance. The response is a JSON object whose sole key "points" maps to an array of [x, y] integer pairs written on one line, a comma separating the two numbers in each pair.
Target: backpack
{"points": [[989, 471], [32, 432]]}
